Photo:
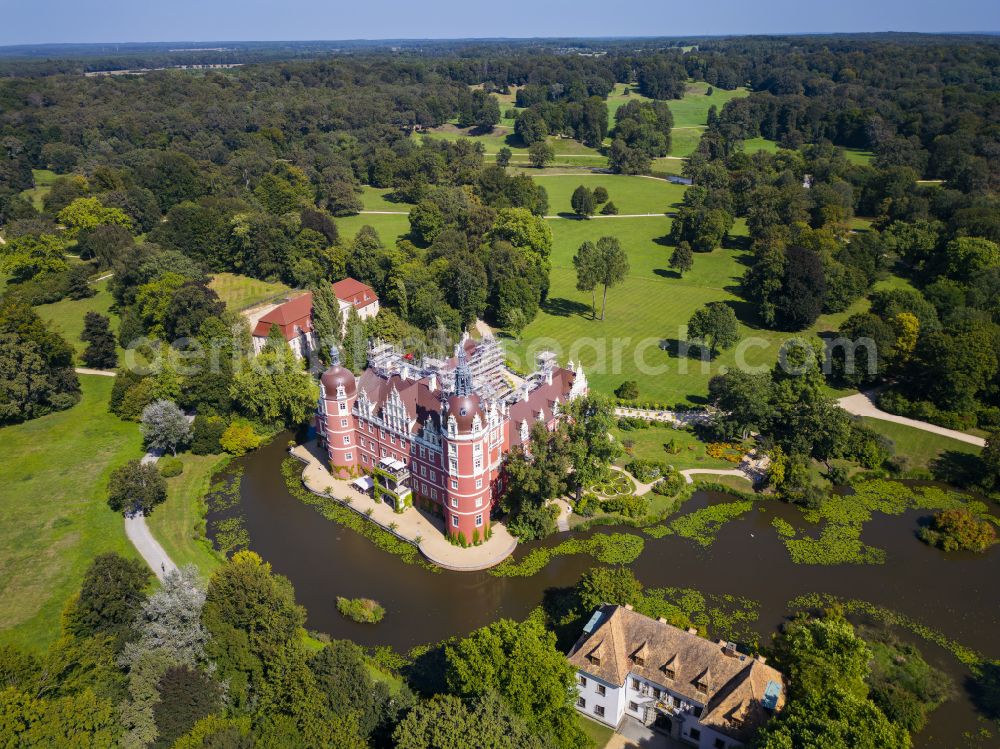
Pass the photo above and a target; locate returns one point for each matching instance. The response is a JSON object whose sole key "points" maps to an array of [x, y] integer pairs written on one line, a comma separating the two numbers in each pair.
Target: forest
{"points": [[154, 185]]}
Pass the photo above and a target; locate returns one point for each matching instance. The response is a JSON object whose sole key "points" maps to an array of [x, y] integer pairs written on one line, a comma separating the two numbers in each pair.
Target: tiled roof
{"points": [[297, 311], [421, 402], [354, 292], [735, 683]]}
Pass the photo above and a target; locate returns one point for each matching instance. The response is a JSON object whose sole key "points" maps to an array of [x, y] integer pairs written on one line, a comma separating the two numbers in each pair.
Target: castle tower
{"points": [[335, 418], [468, 491]]}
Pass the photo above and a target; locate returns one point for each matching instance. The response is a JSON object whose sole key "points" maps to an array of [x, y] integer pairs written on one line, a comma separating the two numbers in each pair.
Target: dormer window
{"points": [[638, 660], [594, 660], [701, 687], [669, 673]]}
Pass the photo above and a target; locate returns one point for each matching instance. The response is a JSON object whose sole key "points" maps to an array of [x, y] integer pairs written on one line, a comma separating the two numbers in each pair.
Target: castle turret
{"points": [[335, 418], [469, 495]]}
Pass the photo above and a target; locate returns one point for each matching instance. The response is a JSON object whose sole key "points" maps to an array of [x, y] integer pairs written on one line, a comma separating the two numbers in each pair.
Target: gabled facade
{"points": [[294, 317], [436, 432], [704, 693]]}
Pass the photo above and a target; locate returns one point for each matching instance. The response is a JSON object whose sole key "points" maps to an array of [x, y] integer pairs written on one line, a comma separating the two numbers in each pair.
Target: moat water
{"points": [[957, 594]]}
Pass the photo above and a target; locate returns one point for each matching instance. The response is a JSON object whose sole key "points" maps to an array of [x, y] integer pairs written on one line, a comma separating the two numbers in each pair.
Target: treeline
{"points": [[191, 666]]}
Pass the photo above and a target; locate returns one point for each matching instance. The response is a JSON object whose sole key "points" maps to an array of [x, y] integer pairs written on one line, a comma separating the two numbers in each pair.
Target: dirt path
{"points": [[861, 404], [688, 473], [89, 371]]}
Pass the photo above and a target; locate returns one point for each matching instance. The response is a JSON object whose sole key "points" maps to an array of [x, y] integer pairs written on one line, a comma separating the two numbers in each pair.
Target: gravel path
{"points": [[861, 404], [147, 546]]}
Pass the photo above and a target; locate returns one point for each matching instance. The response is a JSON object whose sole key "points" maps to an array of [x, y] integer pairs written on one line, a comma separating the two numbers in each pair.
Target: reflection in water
{"points": [[956, 594]]}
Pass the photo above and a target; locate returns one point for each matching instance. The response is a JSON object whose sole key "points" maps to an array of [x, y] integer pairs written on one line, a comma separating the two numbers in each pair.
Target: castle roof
{"points": [[295, 316], [352, 291], [740, 691]]}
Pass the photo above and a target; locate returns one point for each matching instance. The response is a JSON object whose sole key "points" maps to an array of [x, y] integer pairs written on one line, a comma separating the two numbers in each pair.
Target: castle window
{"points": [[454, 483], [364, 458], [454, 521], [454, 502], [347, 439], [349, 456], [601, 690], [479, 464], [343, 422], [343, 407], [433, 476], [479, 485], [479, 520]]}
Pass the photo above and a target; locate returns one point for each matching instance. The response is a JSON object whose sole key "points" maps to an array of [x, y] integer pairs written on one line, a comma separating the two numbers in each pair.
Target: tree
{"points": [[628, 390], [165, 427], [189, 307], [800, 300], [600, 195], [583, 202], [716, 324], [33, 254], [503, 157], [612, 266], [136, 488], [615, 585], [744, 401], [101, 351], [586, 263], [541, 153], [104, 243], [520, 664], [609, 209], [682, 259], [327, 321], [111, 596], [447, 722], [530, 127], [86, 213], [537, 472], [186, 696], [274, 387], [591, 447]]}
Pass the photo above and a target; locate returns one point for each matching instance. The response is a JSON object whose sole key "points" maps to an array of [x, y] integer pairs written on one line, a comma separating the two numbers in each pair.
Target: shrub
{"points": [[363, 610], [958, 529], [647, 471], [671, 483], [240, 438], [207, 434], [628, 423], [609, 209], [629, 506], [169, 466], [600, 195], [628, 390]]}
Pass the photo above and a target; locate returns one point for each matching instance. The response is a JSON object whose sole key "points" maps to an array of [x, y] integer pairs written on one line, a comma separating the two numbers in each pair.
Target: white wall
{"points": [[613, 699]]}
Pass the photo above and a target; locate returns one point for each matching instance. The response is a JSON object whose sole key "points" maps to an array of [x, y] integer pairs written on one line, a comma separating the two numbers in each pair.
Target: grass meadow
{"points": [[53, 504], [178, 524], [43, 183], [242, 292], [66, 316]]}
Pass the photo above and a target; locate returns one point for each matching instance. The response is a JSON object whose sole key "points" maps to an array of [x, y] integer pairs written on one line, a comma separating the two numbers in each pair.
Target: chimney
{"points": [[760, 659], [628, 606], [661, 620], [433, 382], [692, 630]]}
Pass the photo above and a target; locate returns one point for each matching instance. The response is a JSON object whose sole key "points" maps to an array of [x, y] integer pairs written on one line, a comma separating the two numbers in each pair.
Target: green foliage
{"points": [[240, 438], [136, 487], [447, 722], [187, 696], [206, 434], [715, 324], [170, 466], [958, 529], [701, 526], [110, 597], [519, 663], [614, 548], [363, 610]]}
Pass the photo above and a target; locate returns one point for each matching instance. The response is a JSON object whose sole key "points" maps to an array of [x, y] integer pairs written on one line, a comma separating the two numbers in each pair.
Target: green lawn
{"points": [[693, 108], [919, 446], [53, 506], [376, 199], [617, 99], [389, 227], [43, 183], [179, 523], [649, 445], [647, 310], [630, 194], [66, 316], [241, 292], [598, 733], [853, 155], [567, 150]]}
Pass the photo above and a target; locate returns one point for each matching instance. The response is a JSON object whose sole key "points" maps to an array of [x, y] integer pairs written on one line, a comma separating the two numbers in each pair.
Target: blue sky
{"points": [[38, 21]]}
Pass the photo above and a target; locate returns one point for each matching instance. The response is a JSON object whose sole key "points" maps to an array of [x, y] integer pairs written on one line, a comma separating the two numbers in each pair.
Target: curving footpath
{"points": [[147, 546], [862, 404]]}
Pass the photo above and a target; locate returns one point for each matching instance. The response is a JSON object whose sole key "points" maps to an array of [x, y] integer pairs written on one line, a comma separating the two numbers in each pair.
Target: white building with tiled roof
{"points": [[704, 693]]}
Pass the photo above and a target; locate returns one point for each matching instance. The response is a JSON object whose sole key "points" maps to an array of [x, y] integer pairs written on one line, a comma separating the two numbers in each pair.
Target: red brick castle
{"points": [[436, 431]]}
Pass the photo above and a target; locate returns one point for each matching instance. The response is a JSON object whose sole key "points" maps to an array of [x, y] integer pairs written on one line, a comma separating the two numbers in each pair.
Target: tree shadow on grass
{"points": [[664, 241], [957, 468], [560, 307], [678, 349], [664, 273]]}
